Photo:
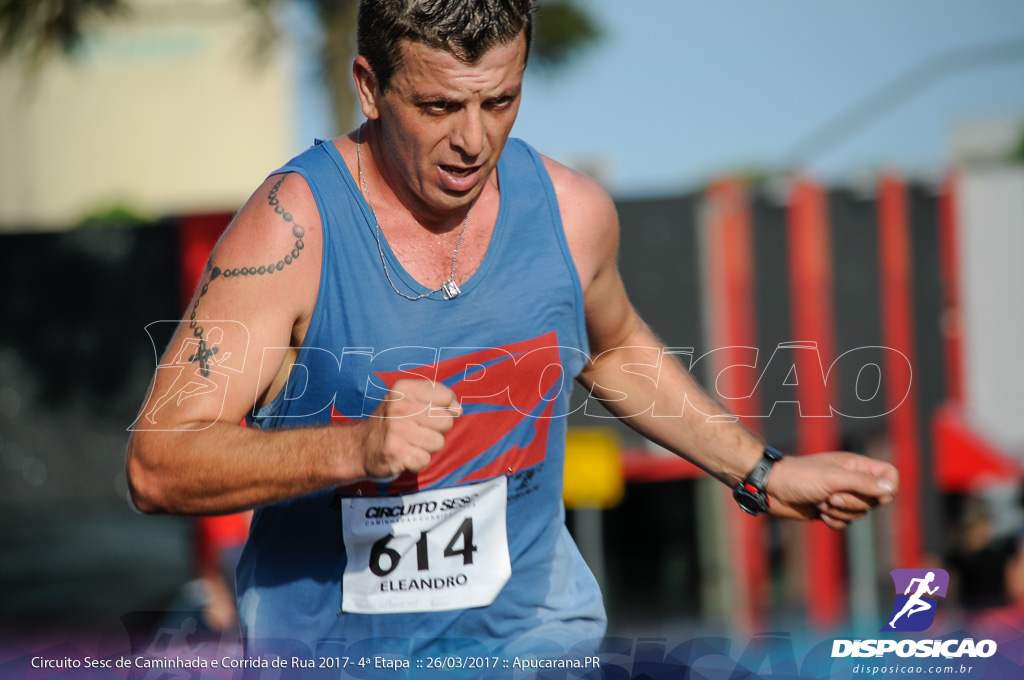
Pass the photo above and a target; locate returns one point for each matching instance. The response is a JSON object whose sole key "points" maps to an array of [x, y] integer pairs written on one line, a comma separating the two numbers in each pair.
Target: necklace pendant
{"points": [[450, 289]]}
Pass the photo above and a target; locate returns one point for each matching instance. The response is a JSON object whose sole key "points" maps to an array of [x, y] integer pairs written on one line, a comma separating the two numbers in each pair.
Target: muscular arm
{"points": [[655, 395], [187, 453]]}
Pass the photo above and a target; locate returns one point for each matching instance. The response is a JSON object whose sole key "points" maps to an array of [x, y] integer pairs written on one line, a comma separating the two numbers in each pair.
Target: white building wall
{"points": [[164, 112], [991, 235]]}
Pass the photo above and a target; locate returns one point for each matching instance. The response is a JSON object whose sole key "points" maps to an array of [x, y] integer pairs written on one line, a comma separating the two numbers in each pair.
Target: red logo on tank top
{"points": [[509, 390]]}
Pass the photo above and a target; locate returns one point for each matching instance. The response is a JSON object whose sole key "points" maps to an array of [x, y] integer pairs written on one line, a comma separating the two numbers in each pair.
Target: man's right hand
{"points": [[408, 427]]}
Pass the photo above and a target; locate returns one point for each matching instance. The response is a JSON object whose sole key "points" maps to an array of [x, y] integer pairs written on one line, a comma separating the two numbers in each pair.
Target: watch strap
{"points": [[750, 494], [758, 477]]}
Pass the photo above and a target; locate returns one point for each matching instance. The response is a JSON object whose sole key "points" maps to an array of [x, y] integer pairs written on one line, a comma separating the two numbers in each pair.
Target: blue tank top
{"points": [[510, 346]]}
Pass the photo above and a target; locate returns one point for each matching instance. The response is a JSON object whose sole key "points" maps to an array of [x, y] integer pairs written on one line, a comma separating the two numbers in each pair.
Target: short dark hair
{"points": [[466, 28]]}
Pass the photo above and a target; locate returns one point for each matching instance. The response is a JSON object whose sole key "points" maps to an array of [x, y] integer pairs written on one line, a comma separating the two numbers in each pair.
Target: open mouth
{"points": [[459, 171], [459, 178]]}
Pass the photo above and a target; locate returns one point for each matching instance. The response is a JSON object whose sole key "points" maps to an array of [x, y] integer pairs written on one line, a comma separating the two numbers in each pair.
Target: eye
{"points": [[438, 106], [503, 102]]}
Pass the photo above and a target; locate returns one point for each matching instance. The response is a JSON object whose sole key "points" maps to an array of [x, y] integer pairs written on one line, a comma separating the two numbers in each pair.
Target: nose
{"points": [[468, 135]]}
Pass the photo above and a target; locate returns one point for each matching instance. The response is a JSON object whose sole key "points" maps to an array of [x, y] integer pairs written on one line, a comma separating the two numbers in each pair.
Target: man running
{"points": [[417, 296]]}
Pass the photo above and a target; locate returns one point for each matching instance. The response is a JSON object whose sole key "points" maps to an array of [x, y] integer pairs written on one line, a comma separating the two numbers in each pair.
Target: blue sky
{"points": [[683, 90]]}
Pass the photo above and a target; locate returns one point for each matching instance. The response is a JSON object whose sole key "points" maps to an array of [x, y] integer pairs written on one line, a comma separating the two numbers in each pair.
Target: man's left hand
{"points": [[837, 488]]}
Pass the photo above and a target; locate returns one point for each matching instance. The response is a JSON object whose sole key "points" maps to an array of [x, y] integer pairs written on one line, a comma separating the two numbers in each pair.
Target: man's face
{"points": [[445, 122]]}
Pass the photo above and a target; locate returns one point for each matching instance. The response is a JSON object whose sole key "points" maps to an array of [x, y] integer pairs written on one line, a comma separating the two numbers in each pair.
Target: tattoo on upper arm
{"points": [[203, 353]]}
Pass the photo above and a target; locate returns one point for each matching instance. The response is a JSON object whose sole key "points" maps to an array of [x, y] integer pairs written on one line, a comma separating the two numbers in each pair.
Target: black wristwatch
{"points": [[750, 493]]}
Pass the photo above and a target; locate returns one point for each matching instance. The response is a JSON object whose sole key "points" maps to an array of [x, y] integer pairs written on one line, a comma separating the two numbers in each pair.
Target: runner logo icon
{"points": [[917, 593]]}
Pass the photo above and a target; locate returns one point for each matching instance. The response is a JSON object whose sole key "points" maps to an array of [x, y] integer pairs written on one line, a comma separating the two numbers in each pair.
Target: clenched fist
{"points": [[407, 427], [835, 487]]}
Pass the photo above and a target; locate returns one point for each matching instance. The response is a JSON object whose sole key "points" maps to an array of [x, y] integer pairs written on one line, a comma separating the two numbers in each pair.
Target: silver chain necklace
{"points": [[449, 289]]}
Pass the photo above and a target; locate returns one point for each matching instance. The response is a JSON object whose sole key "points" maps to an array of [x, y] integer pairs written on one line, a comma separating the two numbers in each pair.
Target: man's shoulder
{"points": [[589, 218], [580, 196], [314, 157]]}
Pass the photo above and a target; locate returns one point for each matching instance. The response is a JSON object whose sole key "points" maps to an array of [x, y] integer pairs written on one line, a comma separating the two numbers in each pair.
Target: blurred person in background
{"points": [[988, 565], [426, 273], [218, 543]]}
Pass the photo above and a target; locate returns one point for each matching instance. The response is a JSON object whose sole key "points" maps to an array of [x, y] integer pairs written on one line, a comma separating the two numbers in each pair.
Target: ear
{"points": [[366, 87]]}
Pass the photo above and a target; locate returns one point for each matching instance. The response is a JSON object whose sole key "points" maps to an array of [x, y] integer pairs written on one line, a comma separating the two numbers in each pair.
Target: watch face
{"points": [[750, 503]]}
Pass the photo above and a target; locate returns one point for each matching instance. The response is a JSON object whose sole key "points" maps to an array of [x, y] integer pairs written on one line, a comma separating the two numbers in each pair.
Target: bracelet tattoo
{"points": [[203, 353]]}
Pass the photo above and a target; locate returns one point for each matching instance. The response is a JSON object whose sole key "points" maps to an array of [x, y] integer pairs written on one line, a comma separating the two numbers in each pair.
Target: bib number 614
{"points": [[381, 554], [429, 551]]}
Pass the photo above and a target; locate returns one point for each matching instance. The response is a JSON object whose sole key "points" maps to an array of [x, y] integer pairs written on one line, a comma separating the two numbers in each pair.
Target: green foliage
{"points": [[115, 215], [39, 27], [33, 29], [562, 30], [1018, 155]]}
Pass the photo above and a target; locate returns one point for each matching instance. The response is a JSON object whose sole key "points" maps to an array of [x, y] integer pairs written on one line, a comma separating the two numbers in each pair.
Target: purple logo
{"points": [[917, 593]]}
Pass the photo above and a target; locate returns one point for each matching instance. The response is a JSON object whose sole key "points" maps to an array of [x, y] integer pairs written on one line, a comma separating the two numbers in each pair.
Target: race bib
{"points": [[426, 552]]}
